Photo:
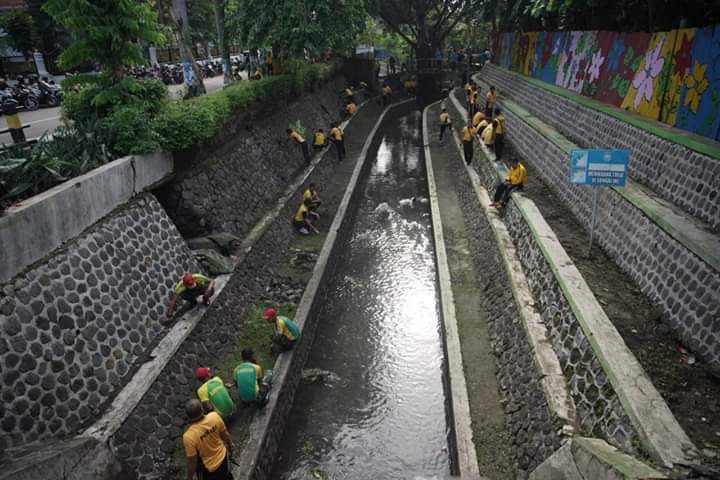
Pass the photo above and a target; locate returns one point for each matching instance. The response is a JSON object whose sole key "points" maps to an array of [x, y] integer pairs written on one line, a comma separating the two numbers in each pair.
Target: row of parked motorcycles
{"points": [[172, 73], [31, 92]]}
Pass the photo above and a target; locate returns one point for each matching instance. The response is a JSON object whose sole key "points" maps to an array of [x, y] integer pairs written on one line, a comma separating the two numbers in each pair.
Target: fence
{"points": [[672, 77]]}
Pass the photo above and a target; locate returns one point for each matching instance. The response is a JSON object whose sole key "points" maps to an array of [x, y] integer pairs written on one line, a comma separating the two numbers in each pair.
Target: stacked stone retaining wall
{"points": [[686, 288], [684, 177], [75, 324]]}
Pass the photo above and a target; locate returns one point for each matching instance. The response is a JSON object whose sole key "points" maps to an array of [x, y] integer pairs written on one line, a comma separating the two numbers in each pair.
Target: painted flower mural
{"points": [[696, 84], [644, 78], [593, 70], [616, 53]]}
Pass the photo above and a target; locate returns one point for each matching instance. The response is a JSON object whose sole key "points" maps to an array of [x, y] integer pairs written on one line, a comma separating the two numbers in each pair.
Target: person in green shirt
{"points": [[212, 393], [189, 288], [285, 332], [251, 386]]}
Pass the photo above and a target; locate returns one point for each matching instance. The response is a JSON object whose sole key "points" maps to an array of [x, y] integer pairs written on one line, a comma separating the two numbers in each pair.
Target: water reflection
{"points": [[380, 336]]}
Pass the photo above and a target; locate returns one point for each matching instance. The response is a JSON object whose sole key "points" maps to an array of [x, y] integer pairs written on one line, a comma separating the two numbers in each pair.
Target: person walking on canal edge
{"points": [[499, 134], [515, 180], [212, 393], [319, 140], [207, 444], [490, 100], [445, 122], [468, 135], [304, 218], [300, 140], [251, 386], [337, 137], [285, 331], [311, 194], [386, 94], [189, 288]]}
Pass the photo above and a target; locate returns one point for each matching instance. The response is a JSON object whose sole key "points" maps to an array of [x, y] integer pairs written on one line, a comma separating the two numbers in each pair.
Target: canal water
{"points": [[378, 410]]}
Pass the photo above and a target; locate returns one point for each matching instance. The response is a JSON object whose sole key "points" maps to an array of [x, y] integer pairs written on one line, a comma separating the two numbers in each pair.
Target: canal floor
{"points": [[380, 412]]}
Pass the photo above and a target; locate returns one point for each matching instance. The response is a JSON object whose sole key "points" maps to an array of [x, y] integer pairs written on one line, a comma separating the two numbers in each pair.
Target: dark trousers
{"points": [[443, 127], [499, 145], [488, 112], [221, 473], [340, 148], [282, 343], [386, 100], [306, 151], [468, 151], [503, 191], [317, 148]]}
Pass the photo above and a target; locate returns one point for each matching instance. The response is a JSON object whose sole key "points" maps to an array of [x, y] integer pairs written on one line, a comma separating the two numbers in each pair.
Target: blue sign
{"points": [[599, 167]]}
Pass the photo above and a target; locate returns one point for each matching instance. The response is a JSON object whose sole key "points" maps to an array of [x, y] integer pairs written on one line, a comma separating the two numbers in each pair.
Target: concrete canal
{"points": [[380, 411]]}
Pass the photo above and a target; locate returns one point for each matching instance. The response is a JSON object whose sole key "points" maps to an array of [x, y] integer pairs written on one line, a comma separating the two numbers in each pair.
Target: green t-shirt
{"points": [[287, 327], [220, 397], [246, 376]]}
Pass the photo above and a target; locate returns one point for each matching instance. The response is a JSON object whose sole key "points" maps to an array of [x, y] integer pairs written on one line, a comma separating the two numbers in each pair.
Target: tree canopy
{"points": [[22, 31]]}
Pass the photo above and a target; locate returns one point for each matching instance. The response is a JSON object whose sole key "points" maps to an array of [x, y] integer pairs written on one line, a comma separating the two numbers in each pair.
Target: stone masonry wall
{"points": [[535, 431], [147, 441], [682, 176], [685, 287], [227, 185], [74, 324]]}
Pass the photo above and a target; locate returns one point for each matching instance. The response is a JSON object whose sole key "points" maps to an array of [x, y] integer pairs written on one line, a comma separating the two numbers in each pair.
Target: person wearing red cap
{"points": [[212, 393], [206, 443], [285, 331], [189, 288]]}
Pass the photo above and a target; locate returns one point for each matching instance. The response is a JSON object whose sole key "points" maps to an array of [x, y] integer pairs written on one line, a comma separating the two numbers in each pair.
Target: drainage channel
{"points": [[374, 404]]}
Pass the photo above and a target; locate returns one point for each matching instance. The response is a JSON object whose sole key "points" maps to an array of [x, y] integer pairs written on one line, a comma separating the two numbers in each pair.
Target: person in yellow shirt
{"points": [[488, 135], [269, 63], [477, 118], [189, 288], [206, 443], [350, 109], [300, 140], [349, 95], [515, 180], [212, 393], [499, 134], [337, 137], [490, 100], [468, 136], [304, 218], [311, 194], [285, 331], [445, 122], [319, 140], [387, 94]]}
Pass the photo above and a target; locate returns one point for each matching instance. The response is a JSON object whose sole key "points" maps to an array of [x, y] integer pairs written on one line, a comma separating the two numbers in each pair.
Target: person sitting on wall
{"points": [[445, 122], [189, 288], [488, 135], [285, 332], [300, 140], [212, 393], [251, 386], [304, 218], [337, 137], [351, 109], [515, 180], [386, 94], [468, 137], [311, 194], [207, 444], [319, 140]]}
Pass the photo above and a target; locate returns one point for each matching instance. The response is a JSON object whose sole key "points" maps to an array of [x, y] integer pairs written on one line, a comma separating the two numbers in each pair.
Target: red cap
{"points": [[188, 280], [269, 313], [202, 373]]}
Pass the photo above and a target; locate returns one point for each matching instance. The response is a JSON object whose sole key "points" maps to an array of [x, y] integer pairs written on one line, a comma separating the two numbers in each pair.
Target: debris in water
{"points": [[316, 375]]}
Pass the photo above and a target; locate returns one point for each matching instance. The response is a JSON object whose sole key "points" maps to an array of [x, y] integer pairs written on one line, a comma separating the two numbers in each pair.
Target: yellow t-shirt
{"points": [[490, 98], [202, 439], [300, 214], [477, 118], [283, 329], [488, 135], [517, 175], [336, 133], [199, 278], [351, 108], [349, 92], [445, 118], [468, 89], [501, 124], [308, 194], [269, 59], [387, 90], [297, 137], [468, 133], [319, 139], [202, 392]]}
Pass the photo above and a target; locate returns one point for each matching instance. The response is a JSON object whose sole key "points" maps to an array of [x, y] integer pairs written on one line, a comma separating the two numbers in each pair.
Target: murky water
{"points": [[382, 414]]}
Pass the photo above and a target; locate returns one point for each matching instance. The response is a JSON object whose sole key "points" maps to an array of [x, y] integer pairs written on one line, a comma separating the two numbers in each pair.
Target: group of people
{"points": [[336, 136], [489, 125], [306, 215]]}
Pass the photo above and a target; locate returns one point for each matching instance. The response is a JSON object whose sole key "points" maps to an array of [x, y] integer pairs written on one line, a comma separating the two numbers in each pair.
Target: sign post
{"points": [[598, 168]]}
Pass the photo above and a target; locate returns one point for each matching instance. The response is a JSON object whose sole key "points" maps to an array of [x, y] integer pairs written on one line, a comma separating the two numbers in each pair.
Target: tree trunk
{"points": [[222, 39], [178, 11]]}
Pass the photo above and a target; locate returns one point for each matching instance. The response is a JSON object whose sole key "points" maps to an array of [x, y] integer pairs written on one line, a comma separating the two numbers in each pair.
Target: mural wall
{"points": [[673, 77]]}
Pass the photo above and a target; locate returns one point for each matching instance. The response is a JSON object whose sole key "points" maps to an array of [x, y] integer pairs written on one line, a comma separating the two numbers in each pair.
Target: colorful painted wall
{"points": [[673, 77]]}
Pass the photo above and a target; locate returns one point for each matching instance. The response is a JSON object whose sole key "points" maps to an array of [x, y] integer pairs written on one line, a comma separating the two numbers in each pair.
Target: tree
{"points": [[220, 6], [21, 30], [105, 31], [178, 12]]}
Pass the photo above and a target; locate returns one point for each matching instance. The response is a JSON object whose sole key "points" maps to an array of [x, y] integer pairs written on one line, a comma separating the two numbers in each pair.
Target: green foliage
{"points": [[105, 31], [22, 32]]}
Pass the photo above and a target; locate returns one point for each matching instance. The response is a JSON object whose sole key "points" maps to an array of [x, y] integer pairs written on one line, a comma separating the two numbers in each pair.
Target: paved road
{"points": [[46, 120]]}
